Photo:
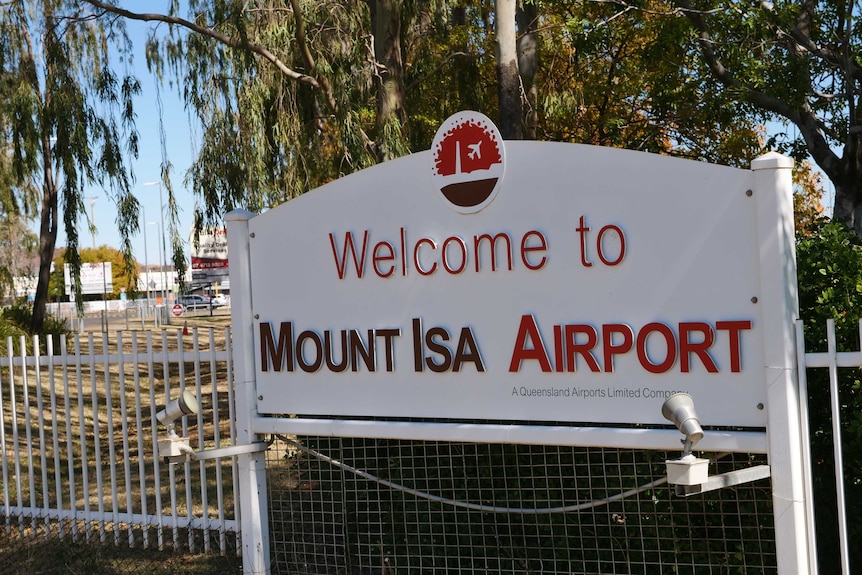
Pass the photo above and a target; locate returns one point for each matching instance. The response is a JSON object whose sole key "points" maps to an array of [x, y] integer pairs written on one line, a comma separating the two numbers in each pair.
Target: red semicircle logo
{"points": [[469, 161]]}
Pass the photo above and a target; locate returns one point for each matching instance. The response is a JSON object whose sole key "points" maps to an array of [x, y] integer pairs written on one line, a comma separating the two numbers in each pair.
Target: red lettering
{"points": [[670, 343], [492, 241], [601, 246], [582, 230], [700, 349], [460, 243], [558, 348], [526, 249], [529, 331], [403, 252], [610, 348], [584, 349], [733, 328], [358, 262], [389, 256], [418, 267]]}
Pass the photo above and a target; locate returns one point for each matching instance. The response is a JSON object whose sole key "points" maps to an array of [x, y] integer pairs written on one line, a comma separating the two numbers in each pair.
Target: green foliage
{"points": [[621, 77], [15, 322], [829, 260], [268, 136], [67, 117]]}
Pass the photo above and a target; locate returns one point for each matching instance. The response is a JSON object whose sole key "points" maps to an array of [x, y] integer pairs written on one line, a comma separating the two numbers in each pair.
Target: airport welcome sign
{"points": [[522, 281]]}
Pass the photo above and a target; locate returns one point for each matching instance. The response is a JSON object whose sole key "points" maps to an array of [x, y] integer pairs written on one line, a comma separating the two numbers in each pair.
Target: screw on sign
{"points": [[177, 310]]}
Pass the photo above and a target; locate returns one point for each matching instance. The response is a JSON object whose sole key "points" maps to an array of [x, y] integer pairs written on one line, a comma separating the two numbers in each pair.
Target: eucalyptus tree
{"points": [[794, 62], [290, 96], [67, 118]]}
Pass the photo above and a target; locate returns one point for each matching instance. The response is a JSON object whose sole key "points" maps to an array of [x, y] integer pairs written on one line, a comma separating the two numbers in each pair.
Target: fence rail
{"points": [[79, 439]]}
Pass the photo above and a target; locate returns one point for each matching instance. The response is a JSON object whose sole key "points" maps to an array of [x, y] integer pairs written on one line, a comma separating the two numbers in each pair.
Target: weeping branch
{"points": [[227, 41]]}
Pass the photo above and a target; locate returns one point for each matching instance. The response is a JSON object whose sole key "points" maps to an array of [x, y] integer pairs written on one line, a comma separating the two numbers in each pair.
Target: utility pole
{"points": [[164, 256], [146, 259]]}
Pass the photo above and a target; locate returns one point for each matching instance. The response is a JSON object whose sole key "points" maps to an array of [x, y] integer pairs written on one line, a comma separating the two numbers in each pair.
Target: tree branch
{"points": [[215, 35], [306, 53], [439, 67], [803, 117]]}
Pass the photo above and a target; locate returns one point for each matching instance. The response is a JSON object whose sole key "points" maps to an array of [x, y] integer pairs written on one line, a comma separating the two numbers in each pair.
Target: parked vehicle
{"points": [[192, 302]]}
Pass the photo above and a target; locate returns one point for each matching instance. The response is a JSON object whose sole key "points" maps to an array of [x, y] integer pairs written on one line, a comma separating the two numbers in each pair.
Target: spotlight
{"points": [[688, 469], [679, 409], [176, 448], [185, 404]]}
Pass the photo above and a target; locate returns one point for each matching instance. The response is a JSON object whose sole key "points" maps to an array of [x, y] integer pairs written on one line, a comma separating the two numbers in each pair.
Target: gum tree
{"points": [[792, 62]]}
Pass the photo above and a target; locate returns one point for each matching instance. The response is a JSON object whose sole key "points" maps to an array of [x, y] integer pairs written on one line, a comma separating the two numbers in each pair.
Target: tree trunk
{"points": [[508, 77], [47, 239], [391, 115], [847, 179], [528, 64]]}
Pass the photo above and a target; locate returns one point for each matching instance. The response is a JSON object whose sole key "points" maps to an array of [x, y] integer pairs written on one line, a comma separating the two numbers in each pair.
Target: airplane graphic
{"points": [[475, 152]]}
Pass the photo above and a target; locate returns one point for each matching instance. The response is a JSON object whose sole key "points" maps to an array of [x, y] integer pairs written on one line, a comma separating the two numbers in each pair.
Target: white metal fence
{"points": [[833, 361], [79, 462], [79, 439]]}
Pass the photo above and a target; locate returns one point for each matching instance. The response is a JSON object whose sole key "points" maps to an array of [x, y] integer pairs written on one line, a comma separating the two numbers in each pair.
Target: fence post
{"points": [[254, 521], [779, 305]]}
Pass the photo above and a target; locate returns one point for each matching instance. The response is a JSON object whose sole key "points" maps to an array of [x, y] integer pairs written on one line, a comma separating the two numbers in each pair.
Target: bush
{"points": [[15, 322], [829, 263]]}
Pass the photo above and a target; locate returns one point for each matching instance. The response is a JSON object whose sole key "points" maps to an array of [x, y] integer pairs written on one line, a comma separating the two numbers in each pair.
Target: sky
{"points": [[147, 167]]}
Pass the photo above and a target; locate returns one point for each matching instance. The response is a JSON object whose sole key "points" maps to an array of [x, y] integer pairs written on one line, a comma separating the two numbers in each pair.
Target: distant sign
{"points": [[96, 278], [209, 255], [177, 310]]}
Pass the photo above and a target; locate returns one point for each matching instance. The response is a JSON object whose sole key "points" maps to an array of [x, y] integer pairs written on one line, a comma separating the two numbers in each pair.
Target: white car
{"points": [[197, 302]]}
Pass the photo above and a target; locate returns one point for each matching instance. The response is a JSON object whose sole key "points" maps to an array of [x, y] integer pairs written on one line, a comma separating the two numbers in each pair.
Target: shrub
{"points": [[15, 322], [829, 263]]}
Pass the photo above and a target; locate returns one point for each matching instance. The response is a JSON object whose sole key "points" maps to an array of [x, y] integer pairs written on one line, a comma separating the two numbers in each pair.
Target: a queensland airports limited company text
{"points": [[594, 392]]}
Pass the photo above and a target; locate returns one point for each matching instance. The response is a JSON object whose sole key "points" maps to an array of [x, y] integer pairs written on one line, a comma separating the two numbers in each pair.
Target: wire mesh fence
{"points": [[360, 506]]}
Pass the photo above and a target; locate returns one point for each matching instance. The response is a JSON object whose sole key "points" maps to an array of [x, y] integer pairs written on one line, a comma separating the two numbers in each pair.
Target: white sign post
{"points": [[531, 283]]}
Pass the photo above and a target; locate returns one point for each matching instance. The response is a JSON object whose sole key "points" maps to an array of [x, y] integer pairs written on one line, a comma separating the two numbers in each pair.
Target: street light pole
{"points": [[164, 256], [146, 260], [162, 267]]}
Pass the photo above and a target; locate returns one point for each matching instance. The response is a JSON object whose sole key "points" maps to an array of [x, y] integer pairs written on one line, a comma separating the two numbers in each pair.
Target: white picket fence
{"points": [[79, 437]]}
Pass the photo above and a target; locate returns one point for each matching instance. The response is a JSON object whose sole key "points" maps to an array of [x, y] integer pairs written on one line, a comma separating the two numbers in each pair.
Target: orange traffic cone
{"points": [[185, 328]]}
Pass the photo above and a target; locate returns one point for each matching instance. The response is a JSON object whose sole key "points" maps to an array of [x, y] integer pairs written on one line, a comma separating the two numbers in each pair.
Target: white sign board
{"points": [[590, 285], [96, 278]]}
